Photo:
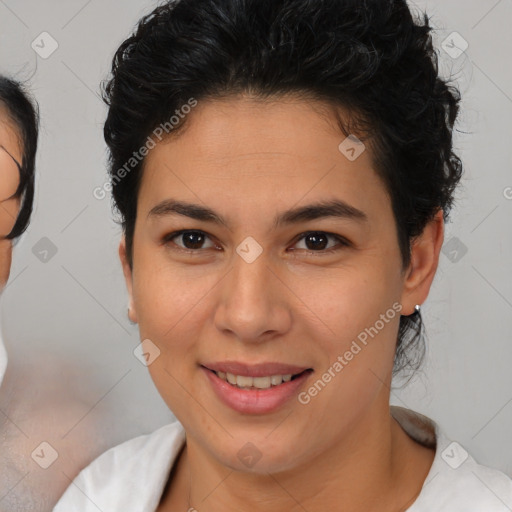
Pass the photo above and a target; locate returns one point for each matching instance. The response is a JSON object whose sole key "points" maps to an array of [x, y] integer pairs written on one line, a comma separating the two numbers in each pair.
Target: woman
{"points": [[283, 170], [18, 146], [34, 406]]}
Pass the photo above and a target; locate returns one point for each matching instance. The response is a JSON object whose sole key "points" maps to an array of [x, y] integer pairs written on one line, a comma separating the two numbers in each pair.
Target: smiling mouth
{"points": [[255, 383]]}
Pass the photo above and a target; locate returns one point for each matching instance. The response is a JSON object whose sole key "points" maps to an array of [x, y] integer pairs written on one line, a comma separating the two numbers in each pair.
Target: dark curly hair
{"points": [[23, 113], [369, 57]]}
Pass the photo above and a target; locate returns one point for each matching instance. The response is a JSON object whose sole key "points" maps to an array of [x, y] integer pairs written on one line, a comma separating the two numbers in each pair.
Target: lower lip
{"points": [[255, 401]]}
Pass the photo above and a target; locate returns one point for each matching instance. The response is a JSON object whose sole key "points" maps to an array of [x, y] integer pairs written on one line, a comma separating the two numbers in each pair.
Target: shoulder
{"points": [[456, 482], [130, 476], [460, 483]]}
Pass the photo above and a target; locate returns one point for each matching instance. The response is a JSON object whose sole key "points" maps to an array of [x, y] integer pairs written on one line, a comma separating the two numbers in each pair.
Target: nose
{"points": [[254, 303]]}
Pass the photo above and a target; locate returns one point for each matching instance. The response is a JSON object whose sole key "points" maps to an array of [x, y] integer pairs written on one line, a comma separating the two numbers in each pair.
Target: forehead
{"points": [[243, 152], [242, 126]]}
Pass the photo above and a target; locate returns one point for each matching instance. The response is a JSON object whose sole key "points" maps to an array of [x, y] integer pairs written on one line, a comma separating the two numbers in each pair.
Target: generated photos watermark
{"points": [[137, 156], [305, 397]]}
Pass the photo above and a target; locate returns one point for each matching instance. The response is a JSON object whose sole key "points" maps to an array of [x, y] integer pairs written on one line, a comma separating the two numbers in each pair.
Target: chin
{"points": [[255, 453]]}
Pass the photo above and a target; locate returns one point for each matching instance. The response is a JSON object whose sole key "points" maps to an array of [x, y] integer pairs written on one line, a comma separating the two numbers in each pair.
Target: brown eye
{"points": [[188, 240], [317, 241]]}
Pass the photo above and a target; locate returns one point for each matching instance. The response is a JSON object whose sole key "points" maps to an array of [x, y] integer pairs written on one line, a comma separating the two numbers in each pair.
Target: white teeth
{"points": [[261, 382], [244, 382], [276, 380]]}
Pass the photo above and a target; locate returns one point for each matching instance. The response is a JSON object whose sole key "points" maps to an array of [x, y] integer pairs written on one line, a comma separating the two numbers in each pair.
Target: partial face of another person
{"points": [[11, 154], [252, 290]]}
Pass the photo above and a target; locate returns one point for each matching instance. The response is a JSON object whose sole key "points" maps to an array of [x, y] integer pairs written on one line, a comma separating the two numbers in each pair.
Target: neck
{"points": [[365, 471]]}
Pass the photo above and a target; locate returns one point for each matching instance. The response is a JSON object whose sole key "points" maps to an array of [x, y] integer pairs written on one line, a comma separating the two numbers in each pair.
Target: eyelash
{"points": [[342, 242]]}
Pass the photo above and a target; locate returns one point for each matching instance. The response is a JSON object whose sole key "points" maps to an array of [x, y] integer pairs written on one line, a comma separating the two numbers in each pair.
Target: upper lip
{"points": [[254, 370]]}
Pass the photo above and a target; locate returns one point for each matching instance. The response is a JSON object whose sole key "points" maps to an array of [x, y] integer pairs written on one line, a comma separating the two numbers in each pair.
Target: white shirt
{"points": [[131, 477]]}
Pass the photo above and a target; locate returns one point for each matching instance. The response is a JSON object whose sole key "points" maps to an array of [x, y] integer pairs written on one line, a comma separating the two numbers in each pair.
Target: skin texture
{"points": [[250, 160], [9, 180]]}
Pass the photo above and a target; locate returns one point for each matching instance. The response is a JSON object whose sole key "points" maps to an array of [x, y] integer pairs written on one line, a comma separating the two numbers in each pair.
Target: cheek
{"points": [[358, 365], [360, 312], [344, 302], [170, 303], [164, 294]]}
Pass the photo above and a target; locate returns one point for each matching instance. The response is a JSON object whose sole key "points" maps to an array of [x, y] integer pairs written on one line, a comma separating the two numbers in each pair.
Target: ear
{"points": [[128, 277], [425, 251]]}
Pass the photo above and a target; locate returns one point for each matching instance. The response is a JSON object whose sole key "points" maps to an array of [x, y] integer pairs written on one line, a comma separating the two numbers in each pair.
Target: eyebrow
{"points": [[334, 208], [15, 161]]}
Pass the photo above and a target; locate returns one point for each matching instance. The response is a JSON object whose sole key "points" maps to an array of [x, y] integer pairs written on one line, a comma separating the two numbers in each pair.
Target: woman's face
{"points": [[9, 181], [255, 297]]}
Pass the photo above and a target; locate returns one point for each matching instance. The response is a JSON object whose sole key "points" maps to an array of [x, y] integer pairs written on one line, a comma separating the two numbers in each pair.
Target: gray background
{"points": [[64, 319]]}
